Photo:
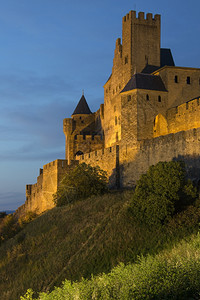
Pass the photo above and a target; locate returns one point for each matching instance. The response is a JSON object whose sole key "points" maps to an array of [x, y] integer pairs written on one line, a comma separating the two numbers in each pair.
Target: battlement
{"points": [[55, 164], [185, 108], [141, 17], [28, 189], [97, 154], [67, 121], [89, 138]]}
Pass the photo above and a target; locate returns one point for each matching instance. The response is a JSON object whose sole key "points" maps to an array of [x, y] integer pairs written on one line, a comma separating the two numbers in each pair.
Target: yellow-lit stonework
{"points": [[151, 113]]}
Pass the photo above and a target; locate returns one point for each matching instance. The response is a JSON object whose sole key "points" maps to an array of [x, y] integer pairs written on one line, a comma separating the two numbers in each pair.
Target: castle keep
{"points": [[151, 113]]}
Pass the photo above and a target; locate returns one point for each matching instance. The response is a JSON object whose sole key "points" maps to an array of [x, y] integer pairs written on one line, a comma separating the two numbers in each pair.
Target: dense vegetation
{"points": [[162, 192], [92, 237]]}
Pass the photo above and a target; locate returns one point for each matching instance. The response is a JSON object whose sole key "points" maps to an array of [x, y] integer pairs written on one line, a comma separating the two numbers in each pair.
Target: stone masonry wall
{"points": [[184, 145], [107, 159], [39, 196], [180, 118]]}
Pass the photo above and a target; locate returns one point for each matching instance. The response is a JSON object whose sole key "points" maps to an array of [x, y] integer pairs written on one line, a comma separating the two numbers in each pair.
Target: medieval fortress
{"points": [[151, 113]]}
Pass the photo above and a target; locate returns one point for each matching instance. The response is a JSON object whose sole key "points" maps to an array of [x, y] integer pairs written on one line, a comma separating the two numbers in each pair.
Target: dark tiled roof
{"points": [[150, 69], [166, 58], [82, 107], [145, 82]]}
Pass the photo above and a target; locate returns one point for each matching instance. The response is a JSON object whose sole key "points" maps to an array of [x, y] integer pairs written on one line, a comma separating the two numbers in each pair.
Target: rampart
{"points": [[184, 145], [180, 118], [184, 117], [107, 159], [39, 196]]}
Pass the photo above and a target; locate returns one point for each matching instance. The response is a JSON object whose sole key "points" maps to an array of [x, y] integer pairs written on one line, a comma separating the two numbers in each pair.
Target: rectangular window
{"points": [[188, 80], [115, 120], [126, 60]]}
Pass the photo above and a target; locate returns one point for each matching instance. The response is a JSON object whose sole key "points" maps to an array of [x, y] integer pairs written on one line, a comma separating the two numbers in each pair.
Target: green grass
{"points": [[88, 237], [172, 274]]}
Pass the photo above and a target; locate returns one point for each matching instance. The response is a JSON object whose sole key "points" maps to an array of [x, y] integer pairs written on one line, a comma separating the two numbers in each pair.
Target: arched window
{"points": [[176, 79]]}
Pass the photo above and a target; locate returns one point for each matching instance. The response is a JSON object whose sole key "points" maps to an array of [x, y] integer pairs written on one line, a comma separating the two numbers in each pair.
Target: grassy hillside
{"points": [[172, 274], [88, 237]]}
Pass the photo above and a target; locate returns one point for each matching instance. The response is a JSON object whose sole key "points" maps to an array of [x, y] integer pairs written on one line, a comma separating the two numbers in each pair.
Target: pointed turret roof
{"points": [[82, 107]]}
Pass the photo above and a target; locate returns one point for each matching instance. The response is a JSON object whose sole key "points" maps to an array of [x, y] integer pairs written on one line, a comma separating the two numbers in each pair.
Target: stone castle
{"points": [[151, 113]]}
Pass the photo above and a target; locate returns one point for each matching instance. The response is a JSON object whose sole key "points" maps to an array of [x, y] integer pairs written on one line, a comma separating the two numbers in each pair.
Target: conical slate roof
{"points": [[82, 107]]}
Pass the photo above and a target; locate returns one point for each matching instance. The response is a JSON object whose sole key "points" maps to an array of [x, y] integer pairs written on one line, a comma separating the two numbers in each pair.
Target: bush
{"points": [[162, 192], [10, 225], [81, 182]]}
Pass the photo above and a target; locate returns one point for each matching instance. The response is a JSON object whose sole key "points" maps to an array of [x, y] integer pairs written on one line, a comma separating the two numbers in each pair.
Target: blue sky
{"points": [[51, 50]]}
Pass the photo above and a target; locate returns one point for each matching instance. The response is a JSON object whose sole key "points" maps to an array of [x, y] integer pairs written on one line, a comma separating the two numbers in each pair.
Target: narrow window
{"points": [[129, 97], [116, 136], [176, 79], [115, 120], [159, 98], [80, 118], [147, 97], [114, 108], [126, 60], [188, 80]]}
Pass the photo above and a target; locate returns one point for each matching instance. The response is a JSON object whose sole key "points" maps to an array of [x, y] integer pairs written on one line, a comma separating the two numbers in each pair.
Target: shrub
{"points": [[162, 192], [10, 225], [81, 182], [29, 216]]}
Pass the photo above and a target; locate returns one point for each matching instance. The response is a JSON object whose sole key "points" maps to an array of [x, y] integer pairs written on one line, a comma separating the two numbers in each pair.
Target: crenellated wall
{"points": [[39, 196], [107, 159], [184, 145], [182, 117]]}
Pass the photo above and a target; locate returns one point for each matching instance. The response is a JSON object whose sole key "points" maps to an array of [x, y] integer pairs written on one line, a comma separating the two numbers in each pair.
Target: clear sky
{"points": [[52, 49]]}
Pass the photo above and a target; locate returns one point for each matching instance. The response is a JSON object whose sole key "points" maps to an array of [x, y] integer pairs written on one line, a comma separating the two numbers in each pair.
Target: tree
{"points": [[162, 192], [81, 182]]}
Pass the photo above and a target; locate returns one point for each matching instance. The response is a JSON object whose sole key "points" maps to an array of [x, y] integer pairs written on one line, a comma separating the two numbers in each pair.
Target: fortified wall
{"points": [[39, 196], [183, 117]]}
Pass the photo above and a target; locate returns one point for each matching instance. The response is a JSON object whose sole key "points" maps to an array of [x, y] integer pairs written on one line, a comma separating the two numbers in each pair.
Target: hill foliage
{"points": [[84, 239]]}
